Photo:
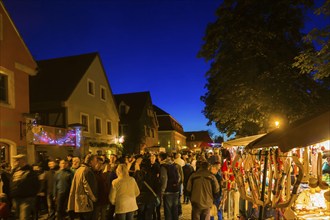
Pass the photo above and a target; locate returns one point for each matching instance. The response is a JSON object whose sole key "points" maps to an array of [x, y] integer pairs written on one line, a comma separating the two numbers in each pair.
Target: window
{"points": [[7, 88], [192, 137], [103, 94], [85, 121], [91, 87], [4, 97], [123, 130], [152, 133], [98, 127], [1, 28], [109, 128]]}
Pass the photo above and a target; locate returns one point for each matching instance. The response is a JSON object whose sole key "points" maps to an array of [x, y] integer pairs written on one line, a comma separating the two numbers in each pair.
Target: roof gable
{"points": [[59, 74], [13, 46], [166, 121], [199, 136], [136, 103]]}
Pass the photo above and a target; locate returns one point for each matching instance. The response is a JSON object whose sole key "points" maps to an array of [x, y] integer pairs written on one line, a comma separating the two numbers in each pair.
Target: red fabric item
{"points": [[4, 210]]}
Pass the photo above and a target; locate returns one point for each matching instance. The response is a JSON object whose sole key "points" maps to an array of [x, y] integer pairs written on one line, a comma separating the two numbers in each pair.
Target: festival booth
{"points": [[230, 192], [279, 174]]}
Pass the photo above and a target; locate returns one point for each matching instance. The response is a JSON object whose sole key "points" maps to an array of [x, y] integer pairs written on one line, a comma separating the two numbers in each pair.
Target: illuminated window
{"points": [[98, 127], [103, 94], [109, 128], [91, 87], [85, 121]]}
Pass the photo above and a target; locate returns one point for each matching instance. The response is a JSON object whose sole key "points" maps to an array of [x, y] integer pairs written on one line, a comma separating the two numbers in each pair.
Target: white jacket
{"points": [[123, 194]]}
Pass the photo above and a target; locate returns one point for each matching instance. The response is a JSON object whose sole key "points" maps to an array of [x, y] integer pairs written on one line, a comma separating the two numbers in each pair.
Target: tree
{"points": [[251, 48], [311, 60]]}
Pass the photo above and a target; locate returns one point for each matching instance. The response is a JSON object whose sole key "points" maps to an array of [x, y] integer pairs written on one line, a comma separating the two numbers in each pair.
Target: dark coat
{"points": [[24, 183]]}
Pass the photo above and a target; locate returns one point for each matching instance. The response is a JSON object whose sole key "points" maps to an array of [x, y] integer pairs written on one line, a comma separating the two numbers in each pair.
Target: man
{"points": [[84, 189], [63, 179], [187, 171], [170, 185], [24, 187], [154, 168], [75, 164], [178, 160], [215, 170], [49, 178], [203, 188]]}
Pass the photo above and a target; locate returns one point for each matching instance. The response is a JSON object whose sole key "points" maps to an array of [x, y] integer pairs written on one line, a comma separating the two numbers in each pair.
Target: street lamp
{"points": [[277, 124]]}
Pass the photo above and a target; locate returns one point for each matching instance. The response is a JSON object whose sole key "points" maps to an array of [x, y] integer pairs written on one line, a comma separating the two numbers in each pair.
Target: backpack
{"points": [[173, 178]]}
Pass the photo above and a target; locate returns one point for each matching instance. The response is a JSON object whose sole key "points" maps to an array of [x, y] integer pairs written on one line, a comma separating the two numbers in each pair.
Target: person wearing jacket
{"points": [[170, 196], [63, 179], [123, 194], [49, 182], [103, 188], [83, 192], [24, 187], [203, 188]]}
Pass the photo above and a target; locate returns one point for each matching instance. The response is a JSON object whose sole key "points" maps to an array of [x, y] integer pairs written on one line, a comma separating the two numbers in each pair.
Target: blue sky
{"points": [[145, 45]]}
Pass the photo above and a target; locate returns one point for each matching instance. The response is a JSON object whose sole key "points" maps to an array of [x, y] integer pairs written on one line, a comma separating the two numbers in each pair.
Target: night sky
{"points": [[145, 45]]}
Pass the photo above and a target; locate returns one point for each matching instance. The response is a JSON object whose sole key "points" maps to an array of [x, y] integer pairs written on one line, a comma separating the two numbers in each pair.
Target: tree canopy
{"points": [[251, 81], [312, 60]]}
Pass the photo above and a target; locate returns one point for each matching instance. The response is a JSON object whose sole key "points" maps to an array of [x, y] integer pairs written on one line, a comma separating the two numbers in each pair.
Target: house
{"points": [[69, 91], [170, 131], [138, 122], [16, 65], [198, 140]]}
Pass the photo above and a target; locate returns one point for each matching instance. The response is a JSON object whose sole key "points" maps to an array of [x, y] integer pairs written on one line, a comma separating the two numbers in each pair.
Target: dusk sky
{"points": [[145, 45]]}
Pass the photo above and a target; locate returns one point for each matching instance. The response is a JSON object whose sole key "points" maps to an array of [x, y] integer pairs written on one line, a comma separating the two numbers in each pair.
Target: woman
{"points": [[123, 194]]}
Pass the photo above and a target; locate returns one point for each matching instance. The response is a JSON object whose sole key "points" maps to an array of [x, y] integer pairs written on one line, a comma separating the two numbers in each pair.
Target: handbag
{"points": [[157, 198]]}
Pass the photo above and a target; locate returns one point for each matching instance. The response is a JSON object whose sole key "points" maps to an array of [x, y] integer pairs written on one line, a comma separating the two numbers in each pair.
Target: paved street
{"points": [[186, 209]]}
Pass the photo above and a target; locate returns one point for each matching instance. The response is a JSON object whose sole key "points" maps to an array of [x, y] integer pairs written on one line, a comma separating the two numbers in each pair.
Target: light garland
{"points": [[69, 138]]}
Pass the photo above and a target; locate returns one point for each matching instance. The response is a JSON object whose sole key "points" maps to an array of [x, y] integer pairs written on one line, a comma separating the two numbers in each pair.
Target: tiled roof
{"points": [[159, 111], [199, 136], [136, 102], [57, 78], [166, 122]]}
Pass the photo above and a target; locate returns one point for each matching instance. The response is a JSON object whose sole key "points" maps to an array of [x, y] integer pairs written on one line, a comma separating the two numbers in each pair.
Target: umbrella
{"points": [[300, 134]]}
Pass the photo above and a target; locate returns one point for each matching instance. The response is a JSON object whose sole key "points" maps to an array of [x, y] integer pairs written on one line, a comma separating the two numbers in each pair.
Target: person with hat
{"points": [[24, 187]]}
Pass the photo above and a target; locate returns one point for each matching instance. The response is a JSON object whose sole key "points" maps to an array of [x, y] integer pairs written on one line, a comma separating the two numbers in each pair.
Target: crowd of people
{"points": [[127, 187]]}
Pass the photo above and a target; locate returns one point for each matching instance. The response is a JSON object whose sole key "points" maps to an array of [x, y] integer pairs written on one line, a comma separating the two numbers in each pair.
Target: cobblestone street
{"points": [[186, 212]]}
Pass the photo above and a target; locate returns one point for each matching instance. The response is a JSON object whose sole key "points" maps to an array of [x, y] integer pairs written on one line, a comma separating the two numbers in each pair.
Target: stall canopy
{"points": [[241, 141], [300, 134]]}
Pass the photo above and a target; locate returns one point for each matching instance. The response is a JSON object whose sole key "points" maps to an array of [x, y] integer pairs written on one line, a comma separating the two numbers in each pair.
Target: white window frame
{"points": [[95, 125], [109, 133], [81, 121], [93, 83], [10, 88], [105, 93]]}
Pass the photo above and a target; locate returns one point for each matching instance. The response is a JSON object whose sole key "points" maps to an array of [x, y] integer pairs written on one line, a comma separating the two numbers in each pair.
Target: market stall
{"points": [[281, 172], [230, 188]]}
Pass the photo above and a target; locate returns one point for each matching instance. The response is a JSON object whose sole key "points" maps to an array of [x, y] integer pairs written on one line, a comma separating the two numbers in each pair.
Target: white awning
{"points": [[241, 141]]}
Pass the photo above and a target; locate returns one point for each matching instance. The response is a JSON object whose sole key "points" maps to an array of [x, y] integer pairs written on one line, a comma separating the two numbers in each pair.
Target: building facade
{"points": [[16, 65], [170, 132], [198, 140], [75, 90], [138, 122]]}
